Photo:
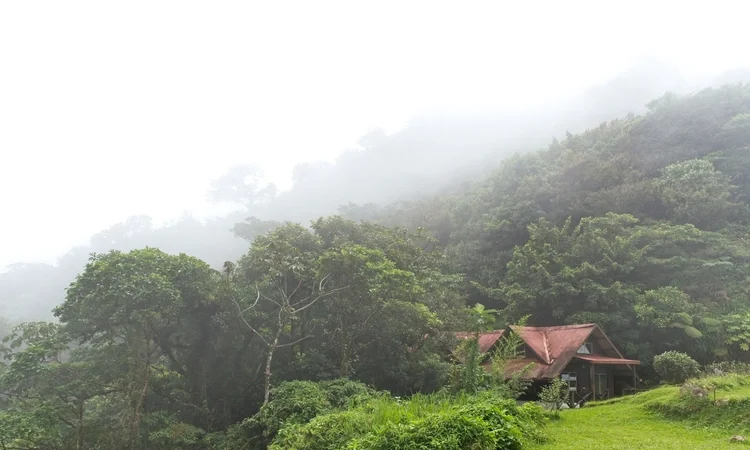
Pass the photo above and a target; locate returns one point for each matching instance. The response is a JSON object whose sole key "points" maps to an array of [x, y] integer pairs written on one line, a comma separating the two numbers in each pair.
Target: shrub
{"points": [[329, 431], [532, 419], [296, 403], [676, 367], [292, 402], [423, 422]]}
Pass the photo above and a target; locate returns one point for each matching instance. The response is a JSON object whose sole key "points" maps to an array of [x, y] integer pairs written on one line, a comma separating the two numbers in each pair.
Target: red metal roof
{"points": [[553, 343], [486, 340], [554, 348], [598, 359], [532, 367]]}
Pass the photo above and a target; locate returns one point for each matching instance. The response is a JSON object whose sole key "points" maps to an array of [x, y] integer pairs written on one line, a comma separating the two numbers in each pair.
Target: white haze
{"points": [[110, 109]]}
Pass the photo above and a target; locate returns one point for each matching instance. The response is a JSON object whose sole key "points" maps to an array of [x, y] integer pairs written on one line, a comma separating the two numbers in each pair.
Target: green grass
{"points": [[659, 419]]}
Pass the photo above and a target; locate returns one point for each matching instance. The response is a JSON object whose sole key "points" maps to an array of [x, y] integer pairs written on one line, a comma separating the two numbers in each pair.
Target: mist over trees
{"points": [[432, 153]]}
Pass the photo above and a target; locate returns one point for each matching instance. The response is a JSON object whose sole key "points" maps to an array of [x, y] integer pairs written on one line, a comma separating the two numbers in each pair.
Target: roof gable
{"points": [[554, 343], [557, 346], [487, 340]]}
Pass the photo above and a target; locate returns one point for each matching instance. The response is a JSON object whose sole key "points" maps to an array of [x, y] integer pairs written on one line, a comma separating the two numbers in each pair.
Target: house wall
{"points": [[529, 353]]}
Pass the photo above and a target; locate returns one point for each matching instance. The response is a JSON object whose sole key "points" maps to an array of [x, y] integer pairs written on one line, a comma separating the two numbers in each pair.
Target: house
{"points": [[582, 355]]}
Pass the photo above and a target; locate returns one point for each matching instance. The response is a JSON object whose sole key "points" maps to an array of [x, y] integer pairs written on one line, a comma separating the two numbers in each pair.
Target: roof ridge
{"points": [[480, 332], [545, 342], [576, 325]]}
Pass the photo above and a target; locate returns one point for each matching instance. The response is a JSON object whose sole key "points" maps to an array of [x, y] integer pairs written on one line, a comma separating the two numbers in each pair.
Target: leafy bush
{"points": [[326, 432], [295, 403], [676, 367], [425, 422]]}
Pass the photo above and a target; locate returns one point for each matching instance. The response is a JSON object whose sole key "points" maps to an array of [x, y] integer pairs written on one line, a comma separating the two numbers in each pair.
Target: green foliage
{"points": [[653, 287], [481, 426], [295, 403], [168, 432], [487, 372], [434, 422], [470, 375], [482, 319], [695, 192], [737, 330], [675, 367]]}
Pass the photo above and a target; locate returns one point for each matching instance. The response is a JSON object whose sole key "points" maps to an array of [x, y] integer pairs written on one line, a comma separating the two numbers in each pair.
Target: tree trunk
{"points": [[344, 364], [79, 428], [271, 349], [138, 411]]}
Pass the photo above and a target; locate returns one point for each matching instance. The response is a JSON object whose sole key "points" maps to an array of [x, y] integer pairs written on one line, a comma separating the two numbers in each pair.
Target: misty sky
{"points": [[109, 109]]}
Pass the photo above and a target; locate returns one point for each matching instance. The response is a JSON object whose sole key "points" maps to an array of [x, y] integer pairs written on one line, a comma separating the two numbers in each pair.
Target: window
{"points": [[600, 383], [571, 379], [586, 349]]}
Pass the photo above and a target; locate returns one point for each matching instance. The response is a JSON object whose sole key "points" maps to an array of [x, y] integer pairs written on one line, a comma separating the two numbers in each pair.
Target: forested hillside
{"points": [[640, 225]]}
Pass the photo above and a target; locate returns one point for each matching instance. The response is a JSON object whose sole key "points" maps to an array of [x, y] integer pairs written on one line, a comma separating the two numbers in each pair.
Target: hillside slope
{"points": [[658, 419]]}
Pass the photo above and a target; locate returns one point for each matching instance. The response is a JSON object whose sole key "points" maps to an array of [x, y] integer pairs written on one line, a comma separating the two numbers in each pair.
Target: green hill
{"points": [[662, 418]]}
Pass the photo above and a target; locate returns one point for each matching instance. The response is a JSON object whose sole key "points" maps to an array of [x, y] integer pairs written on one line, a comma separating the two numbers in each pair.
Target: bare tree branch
{"points": [[312, 302], [242, 316], [295, 289], [254, 303], [289, 344]]}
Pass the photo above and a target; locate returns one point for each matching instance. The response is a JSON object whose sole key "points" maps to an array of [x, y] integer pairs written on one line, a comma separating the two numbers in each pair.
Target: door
{"points": [[600, 384]]}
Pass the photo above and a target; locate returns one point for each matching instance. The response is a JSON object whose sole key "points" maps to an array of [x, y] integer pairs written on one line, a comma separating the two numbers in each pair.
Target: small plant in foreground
{"points": [[554, 394], [727, 367]]}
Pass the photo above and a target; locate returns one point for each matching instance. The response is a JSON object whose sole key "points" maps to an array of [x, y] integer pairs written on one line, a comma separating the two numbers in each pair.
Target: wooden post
{"points": [[593, 383], [635, 381]]}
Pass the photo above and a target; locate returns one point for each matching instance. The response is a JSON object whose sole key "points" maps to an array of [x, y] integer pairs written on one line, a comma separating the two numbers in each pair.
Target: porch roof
{"points": [[606, 360]]}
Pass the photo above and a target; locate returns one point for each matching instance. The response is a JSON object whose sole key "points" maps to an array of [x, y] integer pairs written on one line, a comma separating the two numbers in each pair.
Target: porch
{"points": [[596, 377]]}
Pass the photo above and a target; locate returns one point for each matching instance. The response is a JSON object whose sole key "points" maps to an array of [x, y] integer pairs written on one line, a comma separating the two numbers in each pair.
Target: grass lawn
{"points": [[609, 427], [627, 423]]}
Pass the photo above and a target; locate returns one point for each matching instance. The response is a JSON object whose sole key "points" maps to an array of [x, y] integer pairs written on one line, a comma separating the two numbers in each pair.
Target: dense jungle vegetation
{"points": [[319, 336]]}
